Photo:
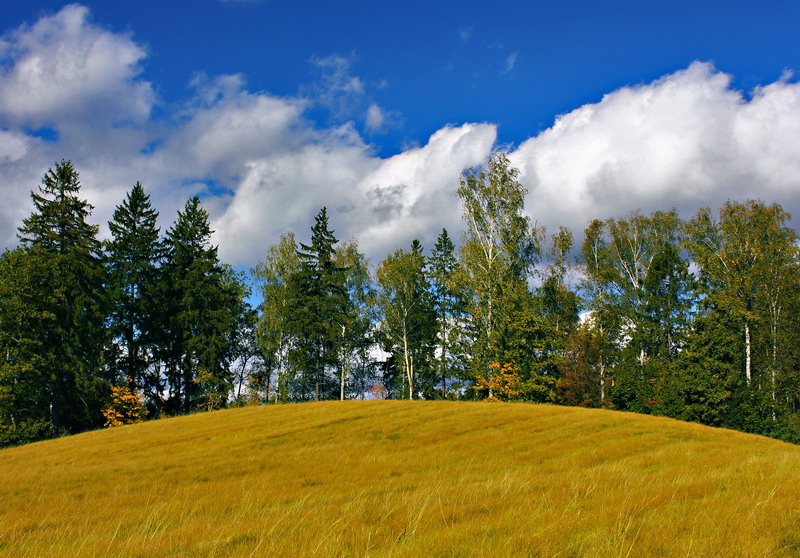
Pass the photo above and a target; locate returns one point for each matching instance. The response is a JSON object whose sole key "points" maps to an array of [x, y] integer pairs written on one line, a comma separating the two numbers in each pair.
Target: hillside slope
{"points": [[402, 478]]}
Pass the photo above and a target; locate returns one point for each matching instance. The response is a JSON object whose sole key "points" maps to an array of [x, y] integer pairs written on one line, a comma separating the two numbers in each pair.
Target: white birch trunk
{"points": [[409, 365], [748, 367], [343, 368]]}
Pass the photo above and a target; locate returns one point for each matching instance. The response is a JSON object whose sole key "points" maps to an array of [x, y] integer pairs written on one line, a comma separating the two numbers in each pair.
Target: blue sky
{"points": [[270, 110]]}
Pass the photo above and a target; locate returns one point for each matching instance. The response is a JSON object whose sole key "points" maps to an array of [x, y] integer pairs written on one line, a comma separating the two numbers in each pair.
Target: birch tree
{"points": [[272, 276], [408, 317], [499, 250], [747, 262], [357, 320]]}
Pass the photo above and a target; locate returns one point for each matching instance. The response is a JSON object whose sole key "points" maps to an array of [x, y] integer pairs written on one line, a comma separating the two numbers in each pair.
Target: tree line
{"points": [[694, 319]]}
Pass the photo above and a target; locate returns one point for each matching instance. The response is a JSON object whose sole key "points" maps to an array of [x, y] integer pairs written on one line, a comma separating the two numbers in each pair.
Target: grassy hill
{"points": [[398, 478]]}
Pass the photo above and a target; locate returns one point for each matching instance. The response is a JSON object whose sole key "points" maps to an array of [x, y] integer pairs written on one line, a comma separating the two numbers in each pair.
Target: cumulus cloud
{"points": [[263, 167], [63, 67], [384, 203], [227, 126], [260, 165], [685, 140], [78, 87]]}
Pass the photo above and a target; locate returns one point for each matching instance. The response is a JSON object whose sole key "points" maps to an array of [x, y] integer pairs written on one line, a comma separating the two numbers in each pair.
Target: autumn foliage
{"points": [[503, 383], [125, 407]]}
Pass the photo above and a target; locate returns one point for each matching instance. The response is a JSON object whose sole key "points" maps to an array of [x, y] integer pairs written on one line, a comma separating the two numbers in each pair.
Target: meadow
{"points": [[400, 478]]}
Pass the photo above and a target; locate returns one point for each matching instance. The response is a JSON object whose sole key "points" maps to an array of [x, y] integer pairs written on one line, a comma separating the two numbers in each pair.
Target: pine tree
{"points": [[203, 300], [25, 385], [449, 305], [58, 238], [318, 308], [133, 256]]}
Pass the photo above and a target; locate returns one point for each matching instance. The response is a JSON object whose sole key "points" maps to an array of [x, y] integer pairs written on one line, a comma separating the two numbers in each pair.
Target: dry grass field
{"points": [[383, 478]]}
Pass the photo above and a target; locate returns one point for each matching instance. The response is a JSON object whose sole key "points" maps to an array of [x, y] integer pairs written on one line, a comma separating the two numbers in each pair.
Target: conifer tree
{"points": [[64, 246], [203, 299], [133, 256], [318, 308], [448, 303], [25, 384]]}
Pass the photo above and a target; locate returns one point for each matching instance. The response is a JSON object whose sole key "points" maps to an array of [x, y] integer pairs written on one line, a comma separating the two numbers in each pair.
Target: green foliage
{"points": [[693, 320], [204, 300], [133, 256], [580, 375], [273, 277], [357, 323], [499, 250], [449, 304], [408, 319], [67, 296], [24, 432], [318, 309]]}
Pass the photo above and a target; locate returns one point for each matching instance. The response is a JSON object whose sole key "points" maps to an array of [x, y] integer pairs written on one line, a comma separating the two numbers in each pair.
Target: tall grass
{"points": [[385, 478]]}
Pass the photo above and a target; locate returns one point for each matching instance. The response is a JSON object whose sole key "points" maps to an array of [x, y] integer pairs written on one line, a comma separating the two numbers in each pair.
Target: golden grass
{"points": [[385, 478]]}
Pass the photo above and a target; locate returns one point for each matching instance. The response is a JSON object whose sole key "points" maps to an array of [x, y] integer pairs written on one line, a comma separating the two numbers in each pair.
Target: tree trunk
{"points": [[409, 367], [748, 367], [343, 368]]}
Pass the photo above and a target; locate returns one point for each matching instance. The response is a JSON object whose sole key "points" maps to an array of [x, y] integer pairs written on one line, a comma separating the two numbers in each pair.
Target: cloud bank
{"points": [[263, 166], [685, 140]]}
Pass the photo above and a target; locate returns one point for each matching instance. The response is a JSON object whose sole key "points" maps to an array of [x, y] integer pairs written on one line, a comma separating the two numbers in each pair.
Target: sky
{"points": [[270, 110]]}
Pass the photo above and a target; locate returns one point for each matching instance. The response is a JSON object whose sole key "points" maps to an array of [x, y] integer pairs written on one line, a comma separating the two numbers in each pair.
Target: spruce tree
{"points": [[448, 303], [318, 308], [203, 300], [25, 386], [57, 236], [133, 256]]}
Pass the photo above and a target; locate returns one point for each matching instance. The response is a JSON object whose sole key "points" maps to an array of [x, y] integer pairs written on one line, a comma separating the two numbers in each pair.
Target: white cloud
{"points": [[64, 68], [337, 89], [229, 127], [685, 140], [413, 194], [511, 61], [375, 117], [260, 165], [384, 203], [13, 146]]}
